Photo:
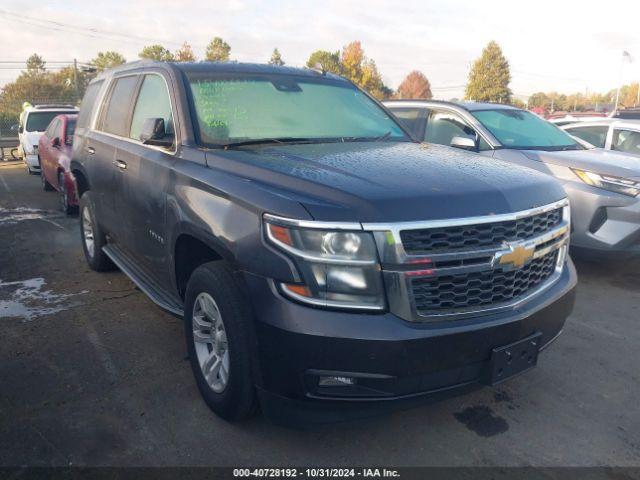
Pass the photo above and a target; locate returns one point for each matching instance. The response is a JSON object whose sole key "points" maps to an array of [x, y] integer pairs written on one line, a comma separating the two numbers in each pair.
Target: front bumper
{"points": [[391, 359], [603, 221]]}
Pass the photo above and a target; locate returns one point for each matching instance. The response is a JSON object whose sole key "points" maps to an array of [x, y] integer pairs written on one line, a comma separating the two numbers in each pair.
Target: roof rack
{"points": [[53, 105]]}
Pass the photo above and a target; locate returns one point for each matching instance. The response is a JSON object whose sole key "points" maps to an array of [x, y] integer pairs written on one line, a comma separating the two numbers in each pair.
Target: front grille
{"points": [[451, 293], [483, 235]]}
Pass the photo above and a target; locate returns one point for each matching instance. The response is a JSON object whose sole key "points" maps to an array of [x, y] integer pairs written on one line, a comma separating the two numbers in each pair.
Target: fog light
{"points": [[336, 381]]}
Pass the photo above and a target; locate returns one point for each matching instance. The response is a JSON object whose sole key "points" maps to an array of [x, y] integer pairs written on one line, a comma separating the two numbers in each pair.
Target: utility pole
{"points": [[75, 79]]}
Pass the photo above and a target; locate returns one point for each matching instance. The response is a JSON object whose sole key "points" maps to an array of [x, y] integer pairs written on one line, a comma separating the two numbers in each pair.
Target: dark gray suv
{"points": [[323, 261]]}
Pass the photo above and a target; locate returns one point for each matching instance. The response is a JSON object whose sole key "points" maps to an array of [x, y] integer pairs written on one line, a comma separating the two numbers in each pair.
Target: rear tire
{"points": [[218, 326], [92, 236]]}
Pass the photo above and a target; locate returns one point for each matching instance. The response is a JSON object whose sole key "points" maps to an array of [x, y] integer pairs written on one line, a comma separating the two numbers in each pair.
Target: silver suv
{"points": [[603, 186]]}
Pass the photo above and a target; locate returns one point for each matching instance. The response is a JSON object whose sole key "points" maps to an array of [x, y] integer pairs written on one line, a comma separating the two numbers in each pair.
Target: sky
{"points": [[566, 46]]}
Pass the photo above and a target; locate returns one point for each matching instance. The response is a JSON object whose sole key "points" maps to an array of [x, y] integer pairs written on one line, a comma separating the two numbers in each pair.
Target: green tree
{"points": [[276, 58], [489, 77], [185, 54], [156, 52], [217, 51], [539, 99], [415, 85], [36, 85], [330, 61], [35, 65], [106, 60]]}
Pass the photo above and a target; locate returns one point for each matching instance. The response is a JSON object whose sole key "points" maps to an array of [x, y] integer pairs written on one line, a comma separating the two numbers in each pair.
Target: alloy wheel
{"points": [[210, 341], [87, 231]]}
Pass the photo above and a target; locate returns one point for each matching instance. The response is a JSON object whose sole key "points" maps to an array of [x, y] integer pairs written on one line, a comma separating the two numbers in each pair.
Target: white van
{"points": [[33, 124]]}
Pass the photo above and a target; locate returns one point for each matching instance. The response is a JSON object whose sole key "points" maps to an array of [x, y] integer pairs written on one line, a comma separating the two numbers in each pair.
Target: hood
{"points": [[596, 160], [389, 181]]}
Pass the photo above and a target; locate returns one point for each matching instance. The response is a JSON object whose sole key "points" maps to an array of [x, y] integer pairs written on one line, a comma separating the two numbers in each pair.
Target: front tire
{"points": [[92, 236], [218, 332]]}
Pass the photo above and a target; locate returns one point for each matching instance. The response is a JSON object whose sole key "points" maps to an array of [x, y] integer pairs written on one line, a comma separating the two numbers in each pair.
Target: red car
{"points": [[54, 155]]}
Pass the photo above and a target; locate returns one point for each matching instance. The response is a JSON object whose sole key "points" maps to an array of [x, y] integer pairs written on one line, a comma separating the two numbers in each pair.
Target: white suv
{"points": [[33, 124]]}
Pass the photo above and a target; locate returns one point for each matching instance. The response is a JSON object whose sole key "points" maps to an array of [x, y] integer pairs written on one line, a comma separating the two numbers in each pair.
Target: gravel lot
{"points": [[92, 373]]}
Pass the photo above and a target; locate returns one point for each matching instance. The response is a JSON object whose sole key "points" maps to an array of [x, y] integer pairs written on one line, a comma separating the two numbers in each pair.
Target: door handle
{"points": [[120, 164], [91, 150]]}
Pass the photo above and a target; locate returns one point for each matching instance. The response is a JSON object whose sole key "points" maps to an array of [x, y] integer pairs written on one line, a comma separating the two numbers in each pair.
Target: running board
{"points": [[145, 283]]}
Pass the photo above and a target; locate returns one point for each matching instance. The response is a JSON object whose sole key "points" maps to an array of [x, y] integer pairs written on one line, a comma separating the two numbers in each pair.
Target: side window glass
{"points": [[88, 104], [627, 141], [443, 126], [69, 132], [57, 130], [117, 112], [410, 118], [153, 102], [595, 135]]}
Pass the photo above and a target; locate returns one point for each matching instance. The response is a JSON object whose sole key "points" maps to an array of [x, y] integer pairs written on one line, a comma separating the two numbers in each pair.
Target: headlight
{"points": [[339, 268], [607, 182]]}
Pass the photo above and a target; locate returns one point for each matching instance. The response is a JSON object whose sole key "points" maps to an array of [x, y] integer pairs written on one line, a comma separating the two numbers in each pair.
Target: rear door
{"points": [[146, 176], [100, 147]]}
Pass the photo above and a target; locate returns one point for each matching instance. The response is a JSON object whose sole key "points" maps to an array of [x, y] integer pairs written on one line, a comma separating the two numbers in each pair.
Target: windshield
{"points": [[286, 108], [39, 121], [523, 130]]}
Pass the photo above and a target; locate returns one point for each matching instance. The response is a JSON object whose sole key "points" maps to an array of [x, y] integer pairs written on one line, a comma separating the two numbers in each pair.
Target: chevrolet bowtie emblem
{"points": [[517, 257]]}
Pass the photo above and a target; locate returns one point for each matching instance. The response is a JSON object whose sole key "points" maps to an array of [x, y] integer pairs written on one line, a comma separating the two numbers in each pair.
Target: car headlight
{"points": [[608, 182], [339, 268]]}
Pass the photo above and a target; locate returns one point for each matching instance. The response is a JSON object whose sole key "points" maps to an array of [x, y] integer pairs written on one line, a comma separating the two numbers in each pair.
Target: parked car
{"points": [[34, 121], [627, 114], [611, 134], [54, 158], [317, 263], [602, 186], [566, 118]]}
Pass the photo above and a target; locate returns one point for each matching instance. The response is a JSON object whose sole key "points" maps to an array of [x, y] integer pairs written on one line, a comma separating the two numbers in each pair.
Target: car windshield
{"points": [[519, 129], [39, 121], [275, 108]]}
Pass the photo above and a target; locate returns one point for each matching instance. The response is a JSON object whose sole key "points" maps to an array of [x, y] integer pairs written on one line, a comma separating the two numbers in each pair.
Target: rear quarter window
{"points": [[88, 104]]}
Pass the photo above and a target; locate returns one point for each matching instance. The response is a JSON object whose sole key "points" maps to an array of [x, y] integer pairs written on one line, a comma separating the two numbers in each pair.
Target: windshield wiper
{"points": [[264, 141]]}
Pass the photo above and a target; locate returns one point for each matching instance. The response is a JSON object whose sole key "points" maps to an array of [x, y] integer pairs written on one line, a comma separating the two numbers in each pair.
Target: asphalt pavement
{"points": [[93, 373]]}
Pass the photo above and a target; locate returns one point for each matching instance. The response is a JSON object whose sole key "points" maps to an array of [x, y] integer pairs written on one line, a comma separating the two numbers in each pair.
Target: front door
{"points": [[146, 171]]}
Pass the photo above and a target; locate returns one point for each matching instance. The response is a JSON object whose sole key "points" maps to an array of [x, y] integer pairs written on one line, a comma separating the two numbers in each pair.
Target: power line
{"points": [[87, 31]]}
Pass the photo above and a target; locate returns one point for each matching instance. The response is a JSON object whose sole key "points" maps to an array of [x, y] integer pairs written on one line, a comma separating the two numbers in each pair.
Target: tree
{"points": [[35, 65], [330, 61], [489, 77], [217, 51], [539, 99], [156, 52], [276, 58], [415, 85], [36, 85], [185, 54], [106, 60], [362, 70]]}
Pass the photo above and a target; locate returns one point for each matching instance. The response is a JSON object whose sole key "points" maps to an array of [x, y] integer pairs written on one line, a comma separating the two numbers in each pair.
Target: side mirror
{"points": [[55, 142], [465, 143], [20, 129], [154, 133]]}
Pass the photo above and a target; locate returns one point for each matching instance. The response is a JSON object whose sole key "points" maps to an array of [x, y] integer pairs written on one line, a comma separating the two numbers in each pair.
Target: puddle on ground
{"points": [[481, 420], [27, 299], [9, 216]]}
